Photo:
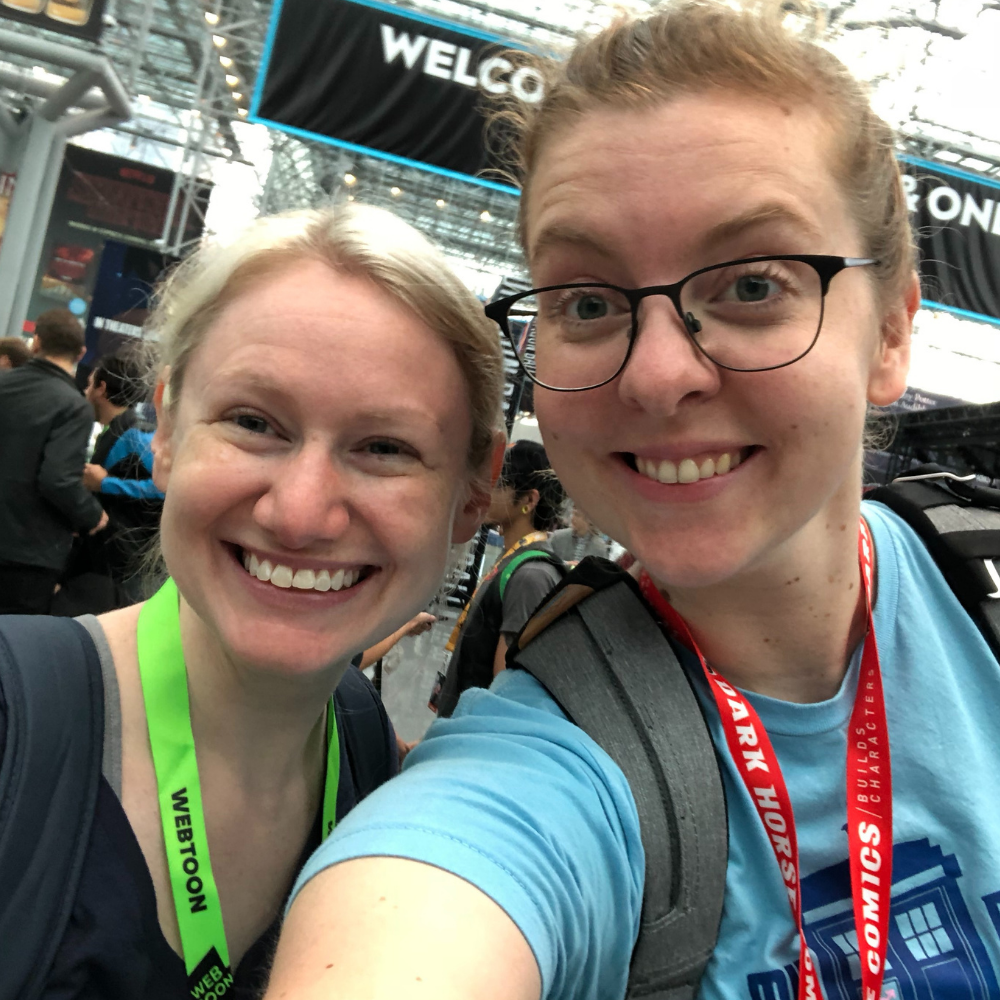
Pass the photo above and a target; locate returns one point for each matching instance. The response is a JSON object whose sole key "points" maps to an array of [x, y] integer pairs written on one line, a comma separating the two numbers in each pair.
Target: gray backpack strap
{"points": [[600, 653]]}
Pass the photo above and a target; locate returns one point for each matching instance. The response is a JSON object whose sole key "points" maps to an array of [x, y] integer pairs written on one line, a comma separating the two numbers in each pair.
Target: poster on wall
{"points": [[379, 80], [956, 216], [99, 197], [79, 18]]}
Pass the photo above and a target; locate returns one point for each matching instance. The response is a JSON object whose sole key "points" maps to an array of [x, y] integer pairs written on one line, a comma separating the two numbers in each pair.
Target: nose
{"points": [[665, 370], [307, 500]]}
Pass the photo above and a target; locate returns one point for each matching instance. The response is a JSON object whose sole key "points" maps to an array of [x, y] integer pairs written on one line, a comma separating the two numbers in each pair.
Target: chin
{"points": [[285, 651]]}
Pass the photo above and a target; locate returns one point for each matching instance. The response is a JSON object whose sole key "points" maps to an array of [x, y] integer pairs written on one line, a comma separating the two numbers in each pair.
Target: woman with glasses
{"points": [[724, 281]]}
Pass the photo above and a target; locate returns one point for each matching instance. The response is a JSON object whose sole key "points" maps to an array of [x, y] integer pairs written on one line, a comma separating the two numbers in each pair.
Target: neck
{"points": [[786, 629], [266, 732], [65, 364], [522, 525], [109, 412]]}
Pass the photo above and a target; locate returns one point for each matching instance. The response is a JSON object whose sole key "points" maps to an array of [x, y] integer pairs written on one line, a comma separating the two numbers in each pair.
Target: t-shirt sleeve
{"points": [[527, 587], [510, 796]]}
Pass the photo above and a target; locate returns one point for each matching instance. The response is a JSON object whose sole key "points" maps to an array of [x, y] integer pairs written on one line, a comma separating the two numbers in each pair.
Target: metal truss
{"points": [[184, 60]]}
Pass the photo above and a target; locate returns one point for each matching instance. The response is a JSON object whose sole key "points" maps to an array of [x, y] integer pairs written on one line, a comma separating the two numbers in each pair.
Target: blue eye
{"points": [[384, 448], [252, 423]]}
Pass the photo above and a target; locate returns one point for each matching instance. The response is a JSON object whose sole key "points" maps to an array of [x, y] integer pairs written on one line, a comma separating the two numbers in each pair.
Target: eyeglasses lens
{"points": [[748, 316]]}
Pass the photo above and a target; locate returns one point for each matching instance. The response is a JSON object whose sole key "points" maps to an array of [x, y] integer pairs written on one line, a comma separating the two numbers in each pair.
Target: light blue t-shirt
{"points": [[511, 797]]}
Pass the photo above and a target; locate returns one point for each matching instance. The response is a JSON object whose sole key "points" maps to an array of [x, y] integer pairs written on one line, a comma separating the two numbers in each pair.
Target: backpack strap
{"points": [[50, 678], [368, 737], [958, 519], [522, 557], [598, 650]]}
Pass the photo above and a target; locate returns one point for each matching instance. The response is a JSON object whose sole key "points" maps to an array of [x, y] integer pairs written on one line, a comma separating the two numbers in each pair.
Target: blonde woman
{"points": [[724, 279], [313, 491]]}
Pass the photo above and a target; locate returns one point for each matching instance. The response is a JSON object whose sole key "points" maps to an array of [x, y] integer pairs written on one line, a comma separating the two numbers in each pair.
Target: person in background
{"points": [[45, 425], [525, 507], [581, 539], [14, 352], [105, 572]]}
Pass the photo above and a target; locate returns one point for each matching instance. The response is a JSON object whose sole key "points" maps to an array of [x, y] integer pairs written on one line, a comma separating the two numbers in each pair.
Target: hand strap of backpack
{"points": [[50, 677], [600, 653]]}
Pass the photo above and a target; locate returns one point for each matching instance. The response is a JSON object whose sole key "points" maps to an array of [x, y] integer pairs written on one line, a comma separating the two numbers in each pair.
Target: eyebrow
{"points": [[560, 235], [761, 215]]}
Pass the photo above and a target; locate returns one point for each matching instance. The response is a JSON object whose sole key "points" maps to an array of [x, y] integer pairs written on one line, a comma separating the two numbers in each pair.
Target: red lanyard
{"points": [[869, 791]]}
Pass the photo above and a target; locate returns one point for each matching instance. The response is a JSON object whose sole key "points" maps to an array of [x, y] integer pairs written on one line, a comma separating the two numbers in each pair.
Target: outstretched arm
{"points": [[397, 929]]}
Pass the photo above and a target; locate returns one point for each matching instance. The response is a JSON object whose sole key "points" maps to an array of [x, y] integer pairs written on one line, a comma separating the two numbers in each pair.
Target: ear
{"points": [[470, 517], [83, 351], [162, 444], [891, 364], [36, 345], [529, 499]]}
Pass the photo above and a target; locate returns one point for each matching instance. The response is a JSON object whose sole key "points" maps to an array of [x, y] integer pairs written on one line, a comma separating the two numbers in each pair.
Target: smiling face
{"points": [[752, 463], [302, 439]]}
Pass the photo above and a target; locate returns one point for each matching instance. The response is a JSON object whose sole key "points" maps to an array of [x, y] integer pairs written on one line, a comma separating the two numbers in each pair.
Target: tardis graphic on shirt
{"points": [[934, 952]]}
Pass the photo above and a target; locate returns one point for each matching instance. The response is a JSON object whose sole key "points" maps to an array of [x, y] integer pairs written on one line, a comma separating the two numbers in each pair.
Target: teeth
{"points": [[687, 470], [299, 579], [667, 472]]}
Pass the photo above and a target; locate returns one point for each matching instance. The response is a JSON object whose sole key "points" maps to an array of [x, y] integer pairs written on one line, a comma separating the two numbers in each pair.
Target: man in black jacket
{"points": [[45, 426]]}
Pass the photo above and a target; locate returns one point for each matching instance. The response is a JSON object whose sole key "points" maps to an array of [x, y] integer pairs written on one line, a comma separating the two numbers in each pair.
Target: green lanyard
{"points": [[168, 715]]}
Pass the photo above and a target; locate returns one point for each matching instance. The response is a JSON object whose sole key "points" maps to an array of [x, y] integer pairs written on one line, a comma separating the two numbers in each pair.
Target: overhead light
{"points": [[218, 41], [226, 61], [242, 112], [211, 17], [237, 96], [350, 197], [440, 203], [232, 79], [485, 216], [350, 180], [143, 98], [395, 191]]}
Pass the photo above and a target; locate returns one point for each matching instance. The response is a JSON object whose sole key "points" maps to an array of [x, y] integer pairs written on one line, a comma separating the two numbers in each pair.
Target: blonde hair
{"points": [[358, 240], [694, 46]]}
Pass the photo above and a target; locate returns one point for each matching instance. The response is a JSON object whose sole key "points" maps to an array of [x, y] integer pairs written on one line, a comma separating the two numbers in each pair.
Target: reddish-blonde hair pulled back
{"points": [[692, 46]]}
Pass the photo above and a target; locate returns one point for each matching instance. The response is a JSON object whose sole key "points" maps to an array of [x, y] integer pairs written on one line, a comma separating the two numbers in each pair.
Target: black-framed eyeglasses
{"points": [[748, 315]]}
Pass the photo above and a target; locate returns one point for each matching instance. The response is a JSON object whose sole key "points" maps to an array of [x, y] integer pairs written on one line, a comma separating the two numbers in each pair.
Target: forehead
{"points": [[313, 334], [662, 183]]}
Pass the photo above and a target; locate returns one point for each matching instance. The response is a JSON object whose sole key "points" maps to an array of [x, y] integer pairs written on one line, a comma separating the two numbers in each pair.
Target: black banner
{"points": [[956, 216], [79, 18], [384, 81]]}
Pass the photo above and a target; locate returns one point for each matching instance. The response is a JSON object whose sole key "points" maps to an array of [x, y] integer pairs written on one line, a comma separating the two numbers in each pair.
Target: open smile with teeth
{"points": [[300, 579], [688, 470]]}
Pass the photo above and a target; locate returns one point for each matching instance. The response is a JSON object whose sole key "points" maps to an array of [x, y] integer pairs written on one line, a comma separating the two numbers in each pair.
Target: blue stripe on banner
{"points": [[379, 154], [968, 314], [941, 168]]}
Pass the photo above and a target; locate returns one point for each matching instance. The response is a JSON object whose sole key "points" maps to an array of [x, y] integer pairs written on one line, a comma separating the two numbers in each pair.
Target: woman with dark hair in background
{"points": [[524, 508]]}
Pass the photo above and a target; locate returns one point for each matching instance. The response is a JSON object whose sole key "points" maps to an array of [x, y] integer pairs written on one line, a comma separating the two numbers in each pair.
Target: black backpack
{"points": [[51, 748], [635, 700]]}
